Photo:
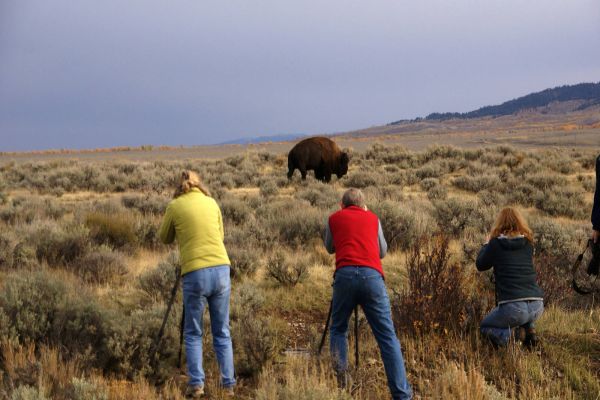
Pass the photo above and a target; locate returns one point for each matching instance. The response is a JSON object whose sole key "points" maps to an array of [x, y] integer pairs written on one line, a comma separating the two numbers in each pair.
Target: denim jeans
{"points": [[365, 287], [210, 286], [498, 323]]}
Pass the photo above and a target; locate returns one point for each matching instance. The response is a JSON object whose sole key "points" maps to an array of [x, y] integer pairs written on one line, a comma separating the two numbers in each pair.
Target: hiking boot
{"points": [[228, 392], [531, 340], [194, 392], [343, 379], [518, 335]]}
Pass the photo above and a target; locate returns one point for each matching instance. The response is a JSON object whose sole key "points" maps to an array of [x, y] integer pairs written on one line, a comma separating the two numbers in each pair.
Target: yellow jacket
{"points": [[195, 219]]}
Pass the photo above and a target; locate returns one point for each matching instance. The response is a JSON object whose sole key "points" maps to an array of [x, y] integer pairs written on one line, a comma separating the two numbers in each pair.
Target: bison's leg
{"points": [[325, 174], [291, 165], [303, 172], [321, 172]]}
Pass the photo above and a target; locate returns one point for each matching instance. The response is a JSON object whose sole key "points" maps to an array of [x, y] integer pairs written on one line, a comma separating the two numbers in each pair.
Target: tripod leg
{"points": [[356, 336], [325, 328], [158, 338], [181, 326]]}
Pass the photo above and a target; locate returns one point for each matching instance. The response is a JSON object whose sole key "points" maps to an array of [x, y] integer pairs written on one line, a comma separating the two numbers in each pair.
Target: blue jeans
{"points": [[365, 287], [497, 324], [213, 286]]}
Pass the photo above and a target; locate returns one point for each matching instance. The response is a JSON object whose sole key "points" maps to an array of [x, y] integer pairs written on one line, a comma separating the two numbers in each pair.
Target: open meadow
{"points": [[85, 281]]}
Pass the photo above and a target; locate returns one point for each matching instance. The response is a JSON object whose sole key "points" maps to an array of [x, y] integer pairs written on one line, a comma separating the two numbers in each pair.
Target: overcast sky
{"points": [[103, 73]]}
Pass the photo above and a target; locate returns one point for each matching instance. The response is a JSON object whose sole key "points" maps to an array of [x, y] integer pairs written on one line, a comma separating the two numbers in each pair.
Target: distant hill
{"points": [[263, 139], [585, 95]]}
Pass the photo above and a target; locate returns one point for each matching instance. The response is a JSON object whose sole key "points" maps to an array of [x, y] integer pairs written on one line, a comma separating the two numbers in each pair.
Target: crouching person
{"points": [[519, 299], [354, 234], [194, 219]]}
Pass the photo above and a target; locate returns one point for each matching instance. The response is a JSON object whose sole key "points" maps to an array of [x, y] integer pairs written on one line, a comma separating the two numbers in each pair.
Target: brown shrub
{"points": [[388, 192], [101, 266], [60, 245], [563, 201], [454, 215], [319, 195], [256, 340], [146, 232], [401, 225], [439, 192], [396, 154], [433, 169], [553, 276], [588, 182], [7, 244], [288, 269], [363, 179], [296, 222], [436, 298], [477, 183], [158, 282], [546, 181], [244, 262], [235, 210], [115, 230], [268, 188], [146, 204], [429, 183]]}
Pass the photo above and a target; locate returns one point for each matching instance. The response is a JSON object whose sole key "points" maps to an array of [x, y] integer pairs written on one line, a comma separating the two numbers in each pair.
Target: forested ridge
{"points": [[588, 92]]}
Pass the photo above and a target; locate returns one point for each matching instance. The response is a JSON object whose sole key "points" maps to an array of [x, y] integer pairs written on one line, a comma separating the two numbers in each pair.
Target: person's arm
{"points": [[166, 232], [596, 206], [485, 258], [382, 243], [221, 230], [328, 239]]}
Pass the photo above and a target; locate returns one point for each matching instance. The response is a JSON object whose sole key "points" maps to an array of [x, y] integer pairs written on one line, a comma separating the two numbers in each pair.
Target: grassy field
{"points": [[85, 280]]}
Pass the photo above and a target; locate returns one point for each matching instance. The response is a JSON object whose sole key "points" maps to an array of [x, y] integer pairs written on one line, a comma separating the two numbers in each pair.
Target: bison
{"points": [[319, 154]]}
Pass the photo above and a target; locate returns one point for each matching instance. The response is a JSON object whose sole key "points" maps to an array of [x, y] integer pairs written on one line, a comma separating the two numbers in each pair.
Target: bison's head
{"points": [[343, 165]]}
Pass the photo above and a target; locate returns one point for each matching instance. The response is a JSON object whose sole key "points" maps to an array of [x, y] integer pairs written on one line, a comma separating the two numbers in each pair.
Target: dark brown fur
{"points": [[319, 154]]}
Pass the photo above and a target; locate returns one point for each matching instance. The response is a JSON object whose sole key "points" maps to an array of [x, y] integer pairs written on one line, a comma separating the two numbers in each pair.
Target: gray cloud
{"points": [[96, 74]]}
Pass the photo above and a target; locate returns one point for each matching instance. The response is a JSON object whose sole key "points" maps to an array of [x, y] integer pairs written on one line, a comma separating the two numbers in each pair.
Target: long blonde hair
{"points": [[188, 180], [511, 223]]}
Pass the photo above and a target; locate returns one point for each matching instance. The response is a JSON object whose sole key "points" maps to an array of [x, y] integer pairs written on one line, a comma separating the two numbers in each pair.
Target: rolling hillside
{"points": [[580, 97]]}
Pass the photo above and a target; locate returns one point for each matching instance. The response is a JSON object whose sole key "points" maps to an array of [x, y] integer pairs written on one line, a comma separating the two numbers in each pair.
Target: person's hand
{"points": [[595, 236], [365, 208]]}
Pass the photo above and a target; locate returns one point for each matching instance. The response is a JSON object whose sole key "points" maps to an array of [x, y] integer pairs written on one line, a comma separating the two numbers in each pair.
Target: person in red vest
{"points": [[354, 234]]}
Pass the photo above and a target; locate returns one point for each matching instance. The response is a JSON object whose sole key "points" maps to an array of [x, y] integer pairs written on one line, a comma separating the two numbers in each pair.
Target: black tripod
{"points": [[158, 338], [356, 357]]}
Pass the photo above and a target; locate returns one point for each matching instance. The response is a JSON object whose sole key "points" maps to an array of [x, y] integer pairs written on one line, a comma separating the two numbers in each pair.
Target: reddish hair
{"points": [[511, 223]]}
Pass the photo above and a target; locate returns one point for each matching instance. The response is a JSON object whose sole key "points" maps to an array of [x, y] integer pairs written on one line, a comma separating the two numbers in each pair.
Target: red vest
{"points": [[355, 238]]}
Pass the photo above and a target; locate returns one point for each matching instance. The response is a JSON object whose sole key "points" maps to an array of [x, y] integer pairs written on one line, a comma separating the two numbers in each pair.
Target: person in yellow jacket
{"points": [[194, 219]]}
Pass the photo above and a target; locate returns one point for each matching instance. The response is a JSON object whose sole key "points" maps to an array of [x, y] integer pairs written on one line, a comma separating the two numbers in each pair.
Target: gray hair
{"points": [[353, 197]]}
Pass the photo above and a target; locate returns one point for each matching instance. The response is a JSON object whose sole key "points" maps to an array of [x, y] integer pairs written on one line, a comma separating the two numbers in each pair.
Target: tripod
{"points": [[326, 328], [158, 338]]}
